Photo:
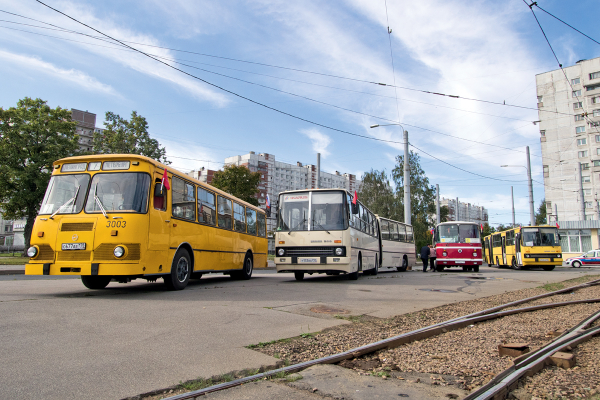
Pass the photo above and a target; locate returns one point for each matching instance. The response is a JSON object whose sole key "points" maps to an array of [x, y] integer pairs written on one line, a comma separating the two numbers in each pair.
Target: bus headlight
{"points": [[32, 251], [339, 251], [444, 254], [280, 252], [119, 251], [474, 254], [559, 256]]}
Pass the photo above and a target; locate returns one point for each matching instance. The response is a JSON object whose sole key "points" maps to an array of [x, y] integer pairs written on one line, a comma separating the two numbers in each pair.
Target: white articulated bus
{"points": [[323, 231], [397, 244]]}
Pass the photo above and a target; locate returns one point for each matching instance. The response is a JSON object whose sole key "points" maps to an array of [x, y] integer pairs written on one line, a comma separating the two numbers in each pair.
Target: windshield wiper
{"points": [[321, 226], [72, 199], [99, 202], [297, 225]]}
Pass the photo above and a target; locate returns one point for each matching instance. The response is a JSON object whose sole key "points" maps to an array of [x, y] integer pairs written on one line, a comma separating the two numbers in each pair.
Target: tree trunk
{"points": [[28, 228]]}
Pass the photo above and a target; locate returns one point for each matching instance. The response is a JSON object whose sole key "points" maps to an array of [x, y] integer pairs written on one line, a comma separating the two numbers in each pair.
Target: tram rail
{"points": [[436, 329]]}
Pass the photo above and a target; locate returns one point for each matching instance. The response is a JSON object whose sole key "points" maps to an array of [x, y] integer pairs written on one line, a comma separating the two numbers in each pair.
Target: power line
{"points": [[122, 42], [554, 16]]}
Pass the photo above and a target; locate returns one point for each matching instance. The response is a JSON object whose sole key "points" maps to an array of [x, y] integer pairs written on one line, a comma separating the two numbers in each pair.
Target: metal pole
{"points": [[318, 170], [457, 209], [531, 208], [437, 206], [407, 210], [556, 212], [597, 205], [512, 196], [581, 193]]}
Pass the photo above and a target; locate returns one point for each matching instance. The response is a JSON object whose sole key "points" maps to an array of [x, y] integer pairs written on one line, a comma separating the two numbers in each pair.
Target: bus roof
{"points": [[314, 190], [99, 157], [458, 222]]}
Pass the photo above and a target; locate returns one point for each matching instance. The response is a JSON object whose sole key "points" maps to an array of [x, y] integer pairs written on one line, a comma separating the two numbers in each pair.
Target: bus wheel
{"points": [[375, 270], [299, 276], [354, 275], [465, 269], [404, 265], [439, 268], [180, 271], [245, 273], [514, 264], [95, 282], [476, 268], [548, 267]]}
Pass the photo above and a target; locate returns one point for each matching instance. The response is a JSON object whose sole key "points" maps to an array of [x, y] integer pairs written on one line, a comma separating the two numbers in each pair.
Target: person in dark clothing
{"points": [[425, 257]]}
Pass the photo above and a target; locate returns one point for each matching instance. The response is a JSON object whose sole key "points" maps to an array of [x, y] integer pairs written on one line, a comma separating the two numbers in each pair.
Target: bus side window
{"points": [[239, 217], [224, 208], [206, 207], [409, 234], [184, 199], [251, 218], [385, 230], [261, 224], [160, 196], [401, 233]]}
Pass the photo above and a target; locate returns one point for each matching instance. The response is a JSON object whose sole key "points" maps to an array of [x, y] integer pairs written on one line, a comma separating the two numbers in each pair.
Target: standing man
{"points": [[425, 256], [432, 257]]}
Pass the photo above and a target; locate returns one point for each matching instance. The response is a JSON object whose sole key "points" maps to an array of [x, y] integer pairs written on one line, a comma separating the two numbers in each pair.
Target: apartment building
{"points": [[569, 123], [86, 125], [465, 212]]}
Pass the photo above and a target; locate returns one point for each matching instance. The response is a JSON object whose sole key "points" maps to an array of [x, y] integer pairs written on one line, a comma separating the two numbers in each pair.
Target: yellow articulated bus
{"points": [[524, 247], [324, 231], [125, 216]]}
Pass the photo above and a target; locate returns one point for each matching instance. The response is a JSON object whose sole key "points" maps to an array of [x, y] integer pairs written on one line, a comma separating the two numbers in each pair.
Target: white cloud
{"points": [[73, 76], [319, 140]]}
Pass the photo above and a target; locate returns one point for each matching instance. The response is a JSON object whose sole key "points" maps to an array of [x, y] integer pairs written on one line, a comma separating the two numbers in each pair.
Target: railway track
{"points": [[495, 389]]}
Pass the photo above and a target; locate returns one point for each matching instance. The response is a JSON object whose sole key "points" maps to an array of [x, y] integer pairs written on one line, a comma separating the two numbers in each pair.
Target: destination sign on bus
{"points": [[113, 165], [297, 197], [73, 167]]}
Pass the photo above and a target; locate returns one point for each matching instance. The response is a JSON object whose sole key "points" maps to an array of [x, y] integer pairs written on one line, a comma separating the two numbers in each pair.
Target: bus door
{"points": [[484, 249], [491, 251], [518, 249], [159, 227], [504, 250]]}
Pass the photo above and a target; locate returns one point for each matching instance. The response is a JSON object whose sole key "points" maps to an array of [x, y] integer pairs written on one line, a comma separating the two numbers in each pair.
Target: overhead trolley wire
{"points": [[572, 27]]}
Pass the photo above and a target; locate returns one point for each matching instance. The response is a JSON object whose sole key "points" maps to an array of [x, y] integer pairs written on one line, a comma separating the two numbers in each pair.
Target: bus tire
{"points": [[476, 268], [95, 282], [548, 267], [439, 268], [246, 272], [515, 265], [465, 269], [299, 276], [404, 265], [375, 270], [180, 271], [354, 275]]}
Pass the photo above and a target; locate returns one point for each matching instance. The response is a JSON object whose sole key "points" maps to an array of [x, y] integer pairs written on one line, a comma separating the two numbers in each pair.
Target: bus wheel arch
{"points": [[95, 281], [404, 266], [247, 267]]}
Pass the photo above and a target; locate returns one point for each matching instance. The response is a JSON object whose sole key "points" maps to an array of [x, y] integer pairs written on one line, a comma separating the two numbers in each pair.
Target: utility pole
{"points": [[437, 205], [318, 170], [407, 210], [597, 205], [556, 213], [531, 207], [457, 210], [512, 196], [581, 193]]}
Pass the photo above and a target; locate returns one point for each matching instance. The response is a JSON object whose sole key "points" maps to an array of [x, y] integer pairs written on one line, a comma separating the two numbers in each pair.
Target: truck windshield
{"points": [[318, 211], [540, 237], [457, 233], [60, 192], [122, 192]]}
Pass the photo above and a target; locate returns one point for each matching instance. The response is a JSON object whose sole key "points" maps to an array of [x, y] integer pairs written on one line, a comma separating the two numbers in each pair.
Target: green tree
{"points": [[32, 137], [487, 230], [444, 213], [422, 196], [376, 193], [502, 227], [238, 181], [128, 137], [540, 215]]}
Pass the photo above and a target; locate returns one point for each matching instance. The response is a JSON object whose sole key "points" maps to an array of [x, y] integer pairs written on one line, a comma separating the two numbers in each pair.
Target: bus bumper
{"points": [[85, 269], [285, 264]]}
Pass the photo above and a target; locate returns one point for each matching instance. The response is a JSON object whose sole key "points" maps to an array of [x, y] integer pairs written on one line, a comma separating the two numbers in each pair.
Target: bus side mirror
{"points": [[354, 208], [158, 190]]}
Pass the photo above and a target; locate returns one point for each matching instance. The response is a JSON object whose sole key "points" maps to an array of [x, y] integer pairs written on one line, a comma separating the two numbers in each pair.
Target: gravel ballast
{"points": [[469, 355]]}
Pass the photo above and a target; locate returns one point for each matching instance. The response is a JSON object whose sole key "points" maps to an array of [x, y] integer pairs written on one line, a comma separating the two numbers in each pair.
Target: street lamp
{"points": [[528, 168], [407, 210]]}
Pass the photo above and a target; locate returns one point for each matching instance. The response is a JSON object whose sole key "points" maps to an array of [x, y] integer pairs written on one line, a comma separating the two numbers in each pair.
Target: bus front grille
{"points": [[104, 252], [77, 227], [309, 251], [73, 255], [46, 253]]}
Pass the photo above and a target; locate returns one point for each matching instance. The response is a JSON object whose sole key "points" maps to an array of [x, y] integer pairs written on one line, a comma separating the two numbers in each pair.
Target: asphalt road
{"points": [[62, 341]]}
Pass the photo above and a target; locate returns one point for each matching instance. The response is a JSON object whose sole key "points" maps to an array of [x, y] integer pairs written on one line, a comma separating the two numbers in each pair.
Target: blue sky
{"points": [[485, 50]]}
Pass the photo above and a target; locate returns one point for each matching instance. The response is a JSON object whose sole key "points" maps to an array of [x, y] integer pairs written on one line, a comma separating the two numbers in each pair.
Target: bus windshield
{"points": [[540, 237], [324, 210], [61, 191], [122, 192], [457, 233]]}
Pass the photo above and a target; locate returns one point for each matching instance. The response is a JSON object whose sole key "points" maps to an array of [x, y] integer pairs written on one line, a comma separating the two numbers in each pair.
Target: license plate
{"points": [[73, 246], [543, 259], [309, 260], [460, 262]]}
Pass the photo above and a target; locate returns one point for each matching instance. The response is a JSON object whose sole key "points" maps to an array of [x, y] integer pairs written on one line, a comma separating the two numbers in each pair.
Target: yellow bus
{"points": [[124, 216], [524, 247]]}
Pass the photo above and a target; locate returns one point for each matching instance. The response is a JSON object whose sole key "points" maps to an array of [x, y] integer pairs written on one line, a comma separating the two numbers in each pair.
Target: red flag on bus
{"points": [[557, 225], [165, 180], [355, 198]]}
